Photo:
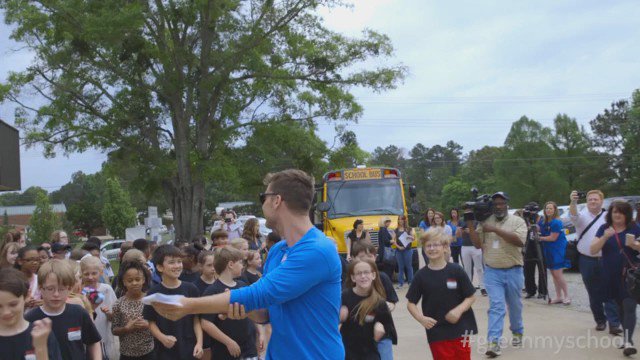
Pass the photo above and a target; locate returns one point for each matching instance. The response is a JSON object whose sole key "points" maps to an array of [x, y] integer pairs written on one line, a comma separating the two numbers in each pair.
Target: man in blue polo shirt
{"points": [[301, 285]]}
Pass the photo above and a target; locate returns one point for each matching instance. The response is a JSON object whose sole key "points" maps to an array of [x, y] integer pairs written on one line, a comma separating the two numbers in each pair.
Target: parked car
{"points": [[111, 249]]}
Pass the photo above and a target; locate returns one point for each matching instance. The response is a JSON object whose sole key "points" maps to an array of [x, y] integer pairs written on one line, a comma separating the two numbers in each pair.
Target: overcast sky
{"points": [[474, 68]]}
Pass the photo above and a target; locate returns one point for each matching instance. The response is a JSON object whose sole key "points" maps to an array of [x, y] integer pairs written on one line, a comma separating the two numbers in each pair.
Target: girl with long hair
{"points": [[554, 244], [364, 316], [9, 254], [252, 234]]}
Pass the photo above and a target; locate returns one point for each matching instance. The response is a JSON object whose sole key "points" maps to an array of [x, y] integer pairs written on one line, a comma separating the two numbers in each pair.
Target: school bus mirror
{"points": [[412, 191], [323, 206]]}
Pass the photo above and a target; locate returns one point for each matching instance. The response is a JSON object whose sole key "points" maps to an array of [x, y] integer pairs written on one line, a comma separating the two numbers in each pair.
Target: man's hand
{"points": [[170, 311], [168, 341], [233, 348], [453, 316], [40, 332], [574, 196], [236, 312], [488, 228], [428, 322]]}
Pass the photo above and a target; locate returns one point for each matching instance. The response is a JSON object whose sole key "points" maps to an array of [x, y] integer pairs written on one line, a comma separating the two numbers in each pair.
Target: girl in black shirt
{"points": [[364, 314]]}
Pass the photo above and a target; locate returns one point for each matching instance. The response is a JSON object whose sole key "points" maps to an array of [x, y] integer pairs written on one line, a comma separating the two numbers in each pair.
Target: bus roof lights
{"points": [[389, 173], [334, 176]]}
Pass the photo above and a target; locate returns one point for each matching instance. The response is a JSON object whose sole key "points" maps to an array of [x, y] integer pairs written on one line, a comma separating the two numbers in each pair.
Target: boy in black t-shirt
{"points": [[447, 295], [232, 339], [175, 340], [72, 325]]}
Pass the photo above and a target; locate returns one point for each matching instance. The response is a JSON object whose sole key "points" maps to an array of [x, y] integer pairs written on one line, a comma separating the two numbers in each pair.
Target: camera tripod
{"points": [[533, 243]]}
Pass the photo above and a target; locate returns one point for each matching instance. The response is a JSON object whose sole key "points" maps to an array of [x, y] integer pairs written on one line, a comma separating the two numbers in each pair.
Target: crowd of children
{"points": [[74, 309]]}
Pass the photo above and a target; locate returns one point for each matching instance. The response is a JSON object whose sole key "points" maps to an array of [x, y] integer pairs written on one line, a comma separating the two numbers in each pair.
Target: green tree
{"points": [[527, 169], [391, 156], [83, 199], [117, 213], [43, 220], [170, 82], [478, 168], [349, 154], [616, 132], [279, 146], [27, 197], [454, 193]]}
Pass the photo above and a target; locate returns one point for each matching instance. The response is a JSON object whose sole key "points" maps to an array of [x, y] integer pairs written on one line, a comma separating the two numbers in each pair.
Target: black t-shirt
{"points": [[242, 331], [249, 278], [201, 285], [392, 296], [18, 346], [181, 329], [441, 291], [73, 329], [358, 339], [189, 276]]}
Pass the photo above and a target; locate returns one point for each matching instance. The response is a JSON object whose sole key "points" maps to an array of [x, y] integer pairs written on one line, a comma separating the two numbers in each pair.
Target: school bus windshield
{"points": [[365, 197]]}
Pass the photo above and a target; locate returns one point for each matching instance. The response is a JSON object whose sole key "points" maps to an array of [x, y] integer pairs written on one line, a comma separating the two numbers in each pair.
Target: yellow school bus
{"points": [[367, 193]]}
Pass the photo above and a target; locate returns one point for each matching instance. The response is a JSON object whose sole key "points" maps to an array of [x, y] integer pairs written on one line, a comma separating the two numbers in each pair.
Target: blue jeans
{"points": [[591, 271], [404, 259], [385, 348], [504, 287]]}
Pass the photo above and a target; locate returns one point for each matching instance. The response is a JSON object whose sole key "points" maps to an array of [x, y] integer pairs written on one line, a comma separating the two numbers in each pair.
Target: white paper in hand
{"points": [[405, 239], [163, 299]]}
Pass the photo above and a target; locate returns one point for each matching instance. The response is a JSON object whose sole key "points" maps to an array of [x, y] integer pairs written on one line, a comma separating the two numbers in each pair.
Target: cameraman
{"points": [[587, 223], [531, 255], [501, 238], [229, 225]]}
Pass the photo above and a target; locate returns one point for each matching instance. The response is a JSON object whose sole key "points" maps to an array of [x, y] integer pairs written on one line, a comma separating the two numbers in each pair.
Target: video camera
{"points": [[530, 212], [480, 208]]}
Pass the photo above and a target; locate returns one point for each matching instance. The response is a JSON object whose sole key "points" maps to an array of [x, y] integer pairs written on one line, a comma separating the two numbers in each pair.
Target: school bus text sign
{"points": [[362, 174]]}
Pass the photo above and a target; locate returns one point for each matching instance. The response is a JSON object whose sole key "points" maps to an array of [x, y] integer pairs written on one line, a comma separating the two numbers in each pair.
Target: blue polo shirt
{"points": [[301, 289]]}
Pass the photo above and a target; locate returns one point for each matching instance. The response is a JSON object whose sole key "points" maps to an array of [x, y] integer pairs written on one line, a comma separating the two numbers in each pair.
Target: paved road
{"points": [[551, 331]]}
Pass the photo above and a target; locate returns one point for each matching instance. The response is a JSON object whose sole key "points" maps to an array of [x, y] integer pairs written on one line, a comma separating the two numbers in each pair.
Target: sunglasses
{"points": [[263, 196]]}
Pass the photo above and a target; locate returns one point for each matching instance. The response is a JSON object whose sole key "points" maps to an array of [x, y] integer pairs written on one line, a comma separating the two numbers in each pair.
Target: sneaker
{"points": [[529, 296], [542, 296], [483, 292], [493, 350], [629, 349], [601, 327], [516, 341], [615, 330], [398, 287]]}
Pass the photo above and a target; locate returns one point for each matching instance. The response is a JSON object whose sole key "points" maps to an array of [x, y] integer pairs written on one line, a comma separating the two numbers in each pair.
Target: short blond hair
{"points": [[90, 262], [134, 254], [61, 269], [238, 242], [435, 234], [597, 192]]}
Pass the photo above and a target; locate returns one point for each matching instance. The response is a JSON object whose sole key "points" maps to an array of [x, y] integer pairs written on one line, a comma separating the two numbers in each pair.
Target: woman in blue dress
{"points": [[618, 256], [554, 245], [456, 243]]}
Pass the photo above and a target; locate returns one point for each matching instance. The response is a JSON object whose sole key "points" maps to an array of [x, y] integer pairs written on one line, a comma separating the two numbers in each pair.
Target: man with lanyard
{"points": [[587, 223], [501, 238], [302, 302]]}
